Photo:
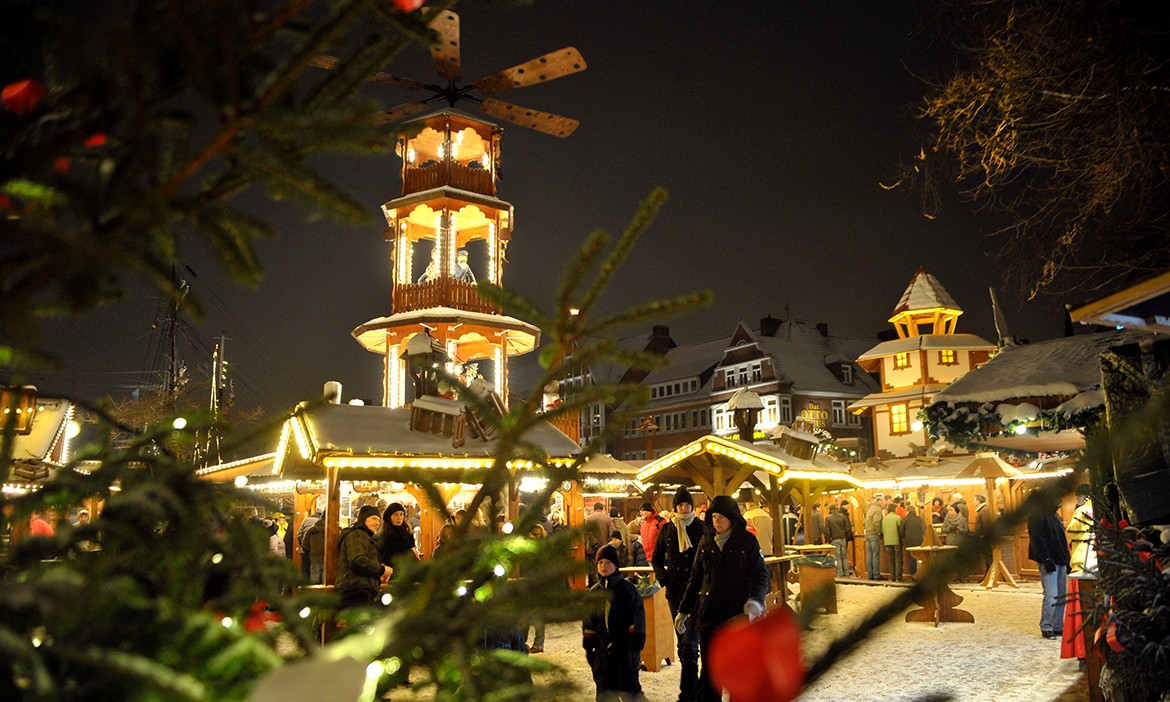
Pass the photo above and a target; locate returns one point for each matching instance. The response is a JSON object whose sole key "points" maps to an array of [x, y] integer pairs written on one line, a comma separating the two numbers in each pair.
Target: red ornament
{"points": [[5, 203], [61, 165], [407, 5], [759, 661], [96, 140], [22, 97], [259, 617]]}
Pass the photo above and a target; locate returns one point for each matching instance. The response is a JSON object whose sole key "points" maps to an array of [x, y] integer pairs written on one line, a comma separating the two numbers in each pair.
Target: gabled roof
{"points": [[925, 293], [689, 361], [798, 352], [1057, 367]]}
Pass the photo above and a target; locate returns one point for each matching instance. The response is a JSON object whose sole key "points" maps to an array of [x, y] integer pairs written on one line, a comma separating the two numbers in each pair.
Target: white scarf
{"points": [[681, 522]]}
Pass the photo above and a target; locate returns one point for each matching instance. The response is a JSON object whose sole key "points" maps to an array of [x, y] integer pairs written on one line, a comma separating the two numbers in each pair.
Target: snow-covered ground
{"points": [[1000, 657]]}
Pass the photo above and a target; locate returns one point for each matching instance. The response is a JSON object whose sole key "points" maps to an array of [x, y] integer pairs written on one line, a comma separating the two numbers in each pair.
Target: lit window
{"points": [[899, 424], [901, 360], [946, 357]]}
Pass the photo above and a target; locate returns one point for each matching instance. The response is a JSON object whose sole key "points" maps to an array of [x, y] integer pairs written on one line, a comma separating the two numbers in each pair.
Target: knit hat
{"points": [[610, 554], [726, 506], [683, 495], [615, 534], [646, 506], [365, 512], [394, 507]]}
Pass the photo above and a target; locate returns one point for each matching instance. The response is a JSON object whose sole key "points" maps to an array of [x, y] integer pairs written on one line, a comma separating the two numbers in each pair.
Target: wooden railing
{"points": [[420, 178], [441, 292]]}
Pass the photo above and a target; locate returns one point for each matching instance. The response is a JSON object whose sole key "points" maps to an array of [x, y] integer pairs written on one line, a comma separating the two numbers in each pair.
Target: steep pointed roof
{"points": [[925, 293]]}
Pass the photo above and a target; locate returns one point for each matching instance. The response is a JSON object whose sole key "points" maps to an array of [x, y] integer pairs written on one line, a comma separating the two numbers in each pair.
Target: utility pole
{"points": [[222, 397]]}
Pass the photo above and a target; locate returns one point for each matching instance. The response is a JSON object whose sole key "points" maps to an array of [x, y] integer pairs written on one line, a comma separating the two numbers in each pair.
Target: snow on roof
{"points": [[927, 342], [48, 426], [900, 395], [689, 361], [798, 352], [523, 338], [1053, 368], [371, 430], [925, 293]]}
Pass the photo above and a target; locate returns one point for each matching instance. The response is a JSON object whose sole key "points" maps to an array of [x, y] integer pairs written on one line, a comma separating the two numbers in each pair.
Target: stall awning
{"points": [[721, 466]]}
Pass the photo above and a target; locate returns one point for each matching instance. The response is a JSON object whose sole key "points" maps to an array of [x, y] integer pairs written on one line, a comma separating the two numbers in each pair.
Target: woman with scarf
{"points": [[729, 578], [673, 557], [396, 538], [613, 637]]}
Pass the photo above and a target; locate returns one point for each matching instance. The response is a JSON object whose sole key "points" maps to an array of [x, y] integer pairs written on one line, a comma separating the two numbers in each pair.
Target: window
{"points": [[786, 409], [846, 374], [946, 357], [757, 373], [899, 424], [901, 360], [743, 375], [771, 413], [730, 375], [838, 412]]}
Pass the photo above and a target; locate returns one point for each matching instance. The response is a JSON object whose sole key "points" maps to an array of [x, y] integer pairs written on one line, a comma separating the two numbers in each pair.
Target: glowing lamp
{"points": [[18, 407], [1021, 429]]}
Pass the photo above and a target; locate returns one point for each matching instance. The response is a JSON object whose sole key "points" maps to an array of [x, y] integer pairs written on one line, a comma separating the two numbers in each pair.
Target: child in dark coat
{"points": [[614, 637]]}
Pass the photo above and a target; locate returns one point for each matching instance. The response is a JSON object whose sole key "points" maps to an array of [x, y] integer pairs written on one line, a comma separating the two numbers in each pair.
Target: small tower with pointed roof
{"points": [[927, 356]]}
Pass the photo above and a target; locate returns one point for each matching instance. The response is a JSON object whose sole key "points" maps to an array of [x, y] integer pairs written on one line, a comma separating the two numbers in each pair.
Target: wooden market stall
{"points": [[348, 446]]}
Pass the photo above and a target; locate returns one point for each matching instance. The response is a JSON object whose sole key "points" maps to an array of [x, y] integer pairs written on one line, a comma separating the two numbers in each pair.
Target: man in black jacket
{"points": [[728, 578], [359, 572], [674, 554], [838, 527], [1047, 546]]}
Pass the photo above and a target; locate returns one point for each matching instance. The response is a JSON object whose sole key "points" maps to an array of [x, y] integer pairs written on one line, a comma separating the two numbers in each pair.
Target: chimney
{"points": [[333, 392], [660, 341], [823, 328], [769, 326]]}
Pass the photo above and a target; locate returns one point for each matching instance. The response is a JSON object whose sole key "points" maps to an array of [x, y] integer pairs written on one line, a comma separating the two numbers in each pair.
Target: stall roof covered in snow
{"points": [[926, 342], [1055, 368]]}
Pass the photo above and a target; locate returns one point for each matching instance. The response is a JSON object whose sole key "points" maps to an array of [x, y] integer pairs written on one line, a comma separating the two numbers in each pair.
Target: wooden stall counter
{"points": [[815, 579]]}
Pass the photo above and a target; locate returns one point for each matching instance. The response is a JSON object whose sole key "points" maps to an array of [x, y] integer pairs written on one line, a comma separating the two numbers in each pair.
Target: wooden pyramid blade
{"points": [[330, 63], [395, 81], [552, 65], [405, 110], [546, 122], [445, 50]]}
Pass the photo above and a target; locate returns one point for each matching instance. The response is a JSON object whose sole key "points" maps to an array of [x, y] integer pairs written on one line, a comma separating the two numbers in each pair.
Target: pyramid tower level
{"points": [[448, 232]]}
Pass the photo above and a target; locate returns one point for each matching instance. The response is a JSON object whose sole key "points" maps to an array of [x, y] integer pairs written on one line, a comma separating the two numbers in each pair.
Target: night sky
{"points": [[771, 124]]}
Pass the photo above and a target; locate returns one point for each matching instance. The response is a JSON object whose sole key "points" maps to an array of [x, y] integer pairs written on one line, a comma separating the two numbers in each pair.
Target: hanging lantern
{"points": [[18, 406]]}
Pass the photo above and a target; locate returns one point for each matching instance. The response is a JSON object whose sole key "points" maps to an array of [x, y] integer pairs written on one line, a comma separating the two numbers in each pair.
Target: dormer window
{"points": [[946, 357], [901, 360], [846, 374]]}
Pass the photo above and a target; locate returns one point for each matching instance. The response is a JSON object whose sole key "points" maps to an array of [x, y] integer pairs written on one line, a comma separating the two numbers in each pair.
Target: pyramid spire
{"points": [[925, 308]]}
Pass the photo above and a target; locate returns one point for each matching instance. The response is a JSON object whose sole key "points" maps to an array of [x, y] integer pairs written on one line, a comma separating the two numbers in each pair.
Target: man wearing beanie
{"points": [[674, 554], [728, 578], [359, 572], [614, 636]]}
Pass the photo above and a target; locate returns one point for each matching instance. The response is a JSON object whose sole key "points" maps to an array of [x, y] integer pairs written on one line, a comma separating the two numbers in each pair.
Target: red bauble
{"points": [[61, 165], [407, 5], [96, 140], [23, 96], [759, 661]]}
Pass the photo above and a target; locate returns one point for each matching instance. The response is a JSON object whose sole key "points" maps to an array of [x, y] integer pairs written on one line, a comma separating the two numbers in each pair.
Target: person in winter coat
{"points": [[359, 572], [728, 579], [637, 552], [818, 526], [396, 540], [1046, 546], [618, 525], [651, 525], [873, 539], [674, 555], [982, 522], [837, 525], [315, 544], [613, 638], [303, 544], [892, 542], [912, 532], [954, 530], [957, 499], [625, 558]]}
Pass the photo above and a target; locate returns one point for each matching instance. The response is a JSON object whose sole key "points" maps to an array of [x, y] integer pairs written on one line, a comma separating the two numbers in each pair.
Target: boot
{"points": [[688, 680]]}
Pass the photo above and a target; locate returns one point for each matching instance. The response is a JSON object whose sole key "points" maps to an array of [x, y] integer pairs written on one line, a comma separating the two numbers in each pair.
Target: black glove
{"points": [[1049, 565]]}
